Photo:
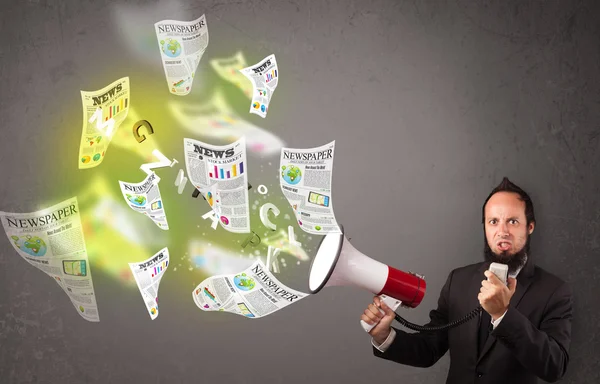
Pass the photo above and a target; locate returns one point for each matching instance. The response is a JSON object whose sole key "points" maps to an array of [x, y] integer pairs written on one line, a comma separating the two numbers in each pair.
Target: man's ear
{"points": [[531, 227]]}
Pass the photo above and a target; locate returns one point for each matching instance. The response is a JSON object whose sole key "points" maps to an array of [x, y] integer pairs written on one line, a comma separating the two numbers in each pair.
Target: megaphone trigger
{"points": [[390, 302], [367, 327]]}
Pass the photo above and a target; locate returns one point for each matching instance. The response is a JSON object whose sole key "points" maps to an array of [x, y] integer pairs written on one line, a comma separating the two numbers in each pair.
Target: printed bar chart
{"points": [[117, 107], [271, 75], [159, 268], [227, 173]]}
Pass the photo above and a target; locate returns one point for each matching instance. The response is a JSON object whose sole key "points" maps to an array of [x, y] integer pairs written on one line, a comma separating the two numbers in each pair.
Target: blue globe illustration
{"points": [[291, 174], [137, 200], [244, 282], [32, 245], [170, 47]]}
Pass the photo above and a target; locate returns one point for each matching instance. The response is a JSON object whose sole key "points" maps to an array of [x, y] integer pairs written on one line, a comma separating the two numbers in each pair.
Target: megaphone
{"points": [[338, 263]]}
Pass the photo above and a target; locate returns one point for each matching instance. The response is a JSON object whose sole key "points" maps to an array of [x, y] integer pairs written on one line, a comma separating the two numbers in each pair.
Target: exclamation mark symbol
{"points": [[180, 182]]}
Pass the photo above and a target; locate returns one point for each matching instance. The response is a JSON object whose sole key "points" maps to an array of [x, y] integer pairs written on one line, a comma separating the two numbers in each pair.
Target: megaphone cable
{"points": [[422, 328]]}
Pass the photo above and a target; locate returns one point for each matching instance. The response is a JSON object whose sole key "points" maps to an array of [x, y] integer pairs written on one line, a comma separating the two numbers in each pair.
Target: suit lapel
{"points": [[523, 281], [473, 325]]}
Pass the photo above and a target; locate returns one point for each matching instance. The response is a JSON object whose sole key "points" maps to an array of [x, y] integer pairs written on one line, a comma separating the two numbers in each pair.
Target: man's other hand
{"points": [[372, 315]]}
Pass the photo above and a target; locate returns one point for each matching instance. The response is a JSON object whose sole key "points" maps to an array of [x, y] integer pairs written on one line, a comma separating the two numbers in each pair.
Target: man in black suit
{"points": [[524, 330]]}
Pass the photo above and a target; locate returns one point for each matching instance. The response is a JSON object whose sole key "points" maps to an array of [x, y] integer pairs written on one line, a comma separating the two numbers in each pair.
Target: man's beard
{"points": [[514, 262]]}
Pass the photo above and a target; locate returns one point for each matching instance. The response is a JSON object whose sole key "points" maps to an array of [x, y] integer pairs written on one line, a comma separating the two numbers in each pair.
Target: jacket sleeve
{"points": [[543, 351], [422, 349]]}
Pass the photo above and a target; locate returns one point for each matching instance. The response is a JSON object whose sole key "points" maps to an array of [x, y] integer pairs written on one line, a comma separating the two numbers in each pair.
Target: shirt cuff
{"points": [[495, 323], [386, 344]]}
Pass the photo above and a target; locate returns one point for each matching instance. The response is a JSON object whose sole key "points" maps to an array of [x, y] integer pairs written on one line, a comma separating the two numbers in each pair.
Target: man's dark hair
{"points": [[508, 186]]}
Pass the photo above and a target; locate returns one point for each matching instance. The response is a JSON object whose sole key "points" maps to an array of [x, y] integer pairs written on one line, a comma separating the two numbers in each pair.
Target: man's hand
{"points": [[494, 296], [382, 330]]}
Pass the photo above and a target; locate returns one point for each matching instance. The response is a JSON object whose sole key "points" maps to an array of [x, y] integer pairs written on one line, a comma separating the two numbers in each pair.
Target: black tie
{"points": [[484, 329]]}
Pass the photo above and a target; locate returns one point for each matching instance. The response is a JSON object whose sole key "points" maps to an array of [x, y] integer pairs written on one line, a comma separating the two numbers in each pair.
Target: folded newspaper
{"points": [[52, 241], [220, 173], [228, 68], [216, 119], [306, 183], [264, 77], [103, 112], [182, 44], [145, 198], [253, 293], [148, 274]]}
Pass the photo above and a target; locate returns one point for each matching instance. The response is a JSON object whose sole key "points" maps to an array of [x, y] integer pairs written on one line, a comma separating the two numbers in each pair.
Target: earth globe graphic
{"points": [[137, 200], [244, 282], [170, 47], [32, 245], [291, 174]]}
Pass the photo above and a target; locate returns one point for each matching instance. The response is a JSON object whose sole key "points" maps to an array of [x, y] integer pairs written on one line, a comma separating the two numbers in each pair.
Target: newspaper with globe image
{"points": [[52, 241], [253, 293], [220, 173], [181, 44], [264, 77], [305, 181], [148, 274], [145, 198], [103, 112]]}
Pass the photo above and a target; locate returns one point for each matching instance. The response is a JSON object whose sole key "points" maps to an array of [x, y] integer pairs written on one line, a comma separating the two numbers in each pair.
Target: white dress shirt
{"points": [[385, 345]]}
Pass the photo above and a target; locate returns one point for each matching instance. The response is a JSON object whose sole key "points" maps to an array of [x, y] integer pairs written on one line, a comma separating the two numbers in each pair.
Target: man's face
{"points": [[506, 228]]}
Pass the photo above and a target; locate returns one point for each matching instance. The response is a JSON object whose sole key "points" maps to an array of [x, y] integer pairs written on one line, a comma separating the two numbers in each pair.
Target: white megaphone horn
{"points": [[338, 263]]}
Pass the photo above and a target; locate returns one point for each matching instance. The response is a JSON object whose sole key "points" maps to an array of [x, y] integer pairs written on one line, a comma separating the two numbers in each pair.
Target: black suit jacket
{"points": [[532, 340]]}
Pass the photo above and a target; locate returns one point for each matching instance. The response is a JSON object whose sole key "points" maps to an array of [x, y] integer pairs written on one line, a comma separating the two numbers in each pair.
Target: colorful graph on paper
{"points": [[270, 75], [227, 172], [159, 268], [112, 110]]}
